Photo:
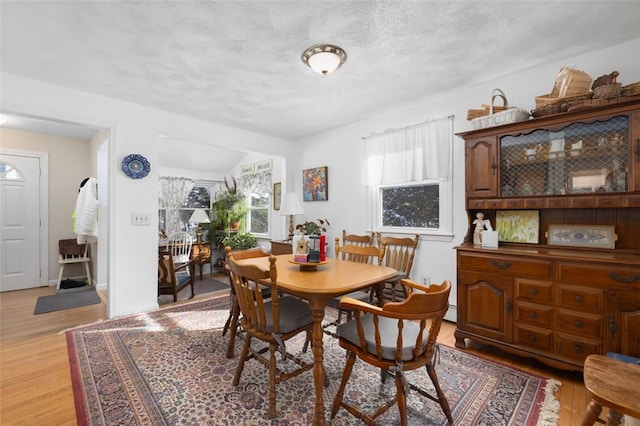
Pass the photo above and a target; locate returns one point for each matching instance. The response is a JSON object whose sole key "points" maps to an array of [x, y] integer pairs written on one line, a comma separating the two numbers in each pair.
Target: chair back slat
{"points": [[360, 254], [400, 253]]}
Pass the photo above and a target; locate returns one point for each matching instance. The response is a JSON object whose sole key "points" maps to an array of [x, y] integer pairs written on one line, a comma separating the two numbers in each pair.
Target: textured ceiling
{"points": [[238, 62]]}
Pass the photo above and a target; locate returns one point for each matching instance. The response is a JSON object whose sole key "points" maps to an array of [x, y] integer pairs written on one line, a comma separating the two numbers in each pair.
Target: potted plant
{"points": [[311, 227], [240, 241], [229, 209]]}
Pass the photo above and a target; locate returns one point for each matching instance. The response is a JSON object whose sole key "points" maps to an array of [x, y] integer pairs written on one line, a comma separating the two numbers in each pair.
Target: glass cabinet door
{"points": [[581, 158]]}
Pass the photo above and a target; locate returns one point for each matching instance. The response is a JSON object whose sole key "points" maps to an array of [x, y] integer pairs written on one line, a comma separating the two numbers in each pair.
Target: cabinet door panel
{"points": [[623, 322], [481, 163], [485, 305]]}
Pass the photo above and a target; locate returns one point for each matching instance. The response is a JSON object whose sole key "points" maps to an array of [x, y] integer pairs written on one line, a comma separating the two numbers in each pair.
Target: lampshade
{"points": [[291, 205], [324, 58], [199, 216]]}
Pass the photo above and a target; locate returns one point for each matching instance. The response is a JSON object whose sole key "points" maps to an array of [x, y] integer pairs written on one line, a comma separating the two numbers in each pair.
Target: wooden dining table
{"points": [[317, 285]]}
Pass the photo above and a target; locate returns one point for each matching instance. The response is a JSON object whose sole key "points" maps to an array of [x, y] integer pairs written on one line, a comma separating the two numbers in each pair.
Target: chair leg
{"points": [[337, 400], [60, 276], [232, 326], [272, 380], [592, 414], [441, 398], [243, 357], [401, 398], [88, 272]]}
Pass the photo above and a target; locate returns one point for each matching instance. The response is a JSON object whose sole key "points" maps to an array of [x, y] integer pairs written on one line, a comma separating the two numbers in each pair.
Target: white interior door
{"points": [[19, 222]]}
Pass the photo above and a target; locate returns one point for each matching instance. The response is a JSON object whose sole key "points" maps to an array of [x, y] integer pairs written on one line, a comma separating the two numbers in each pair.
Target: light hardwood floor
{"points": [[35, 378]]}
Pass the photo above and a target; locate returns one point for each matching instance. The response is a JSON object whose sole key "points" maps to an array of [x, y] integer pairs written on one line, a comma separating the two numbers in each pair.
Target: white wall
{"points": [[135, 129], [340, 150], [132, 251]]}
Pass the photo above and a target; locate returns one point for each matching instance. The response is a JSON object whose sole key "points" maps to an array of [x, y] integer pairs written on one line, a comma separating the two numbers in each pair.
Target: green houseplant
{"points": [[311, 227], [240, 241], [229, 210]]}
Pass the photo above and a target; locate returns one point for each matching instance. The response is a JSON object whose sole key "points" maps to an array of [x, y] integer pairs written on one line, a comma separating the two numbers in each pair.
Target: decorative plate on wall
{"points": [[135, 166]]}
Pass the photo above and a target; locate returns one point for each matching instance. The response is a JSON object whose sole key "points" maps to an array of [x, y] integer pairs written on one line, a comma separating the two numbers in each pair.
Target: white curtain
{"points": [[173, 192], [411, 154], [259, 183]]}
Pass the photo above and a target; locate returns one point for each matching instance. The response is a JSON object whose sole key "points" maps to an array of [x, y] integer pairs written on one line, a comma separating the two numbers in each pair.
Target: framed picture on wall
{"points": [[277, 195], [248, 169], [315, 185], [264, 166]]}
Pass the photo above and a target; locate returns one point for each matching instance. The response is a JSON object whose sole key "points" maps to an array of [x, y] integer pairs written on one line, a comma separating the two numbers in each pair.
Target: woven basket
{"points": [[548, 99], [509, 115], [570, 82], [632, 89]]}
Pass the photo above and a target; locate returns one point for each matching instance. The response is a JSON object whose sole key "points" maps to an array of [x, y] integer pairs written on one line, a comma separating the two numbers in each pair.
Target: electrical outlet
{"points": [[140, 219], [426, 280]]}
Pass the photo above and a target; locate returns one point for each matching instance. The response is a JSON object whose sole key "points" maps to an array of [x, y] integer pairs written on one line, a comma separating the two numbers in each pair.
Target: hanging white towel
{"points": [[87, 212]]}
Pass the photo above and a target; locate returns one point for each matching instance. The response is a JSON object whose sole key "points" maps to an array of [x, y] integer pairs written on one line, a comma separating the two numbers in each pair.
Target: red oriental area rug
{"points": [[169, 367]]}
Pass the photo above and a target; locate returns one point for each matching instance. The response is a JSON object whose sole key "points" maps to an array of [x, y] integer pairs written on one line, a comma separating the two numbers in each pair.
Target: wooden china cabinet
{"points": [[557, 302]]}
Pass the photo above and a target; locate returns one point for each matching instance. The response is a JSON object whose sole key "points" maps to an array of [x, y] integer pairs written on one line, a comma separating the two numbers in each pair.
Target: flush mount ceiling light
{"points": [[324, 58]]}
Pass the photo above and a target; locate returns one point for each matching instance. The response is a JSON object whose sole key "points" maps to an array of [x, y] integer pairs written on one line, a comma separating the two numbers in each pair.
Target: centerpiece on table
{"points": [[312, 239]]}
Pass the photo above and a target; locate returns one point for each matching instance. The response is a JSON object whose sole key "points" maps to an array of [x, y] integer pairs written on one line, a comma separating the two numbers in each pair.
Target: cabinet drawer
{"points": [[534, 203], [534, 337], [578, 297], [604, 275], [509, 265], [581, 202], [513, 203], [535, 291], [580, 323], [532, 313], [576, 348]]}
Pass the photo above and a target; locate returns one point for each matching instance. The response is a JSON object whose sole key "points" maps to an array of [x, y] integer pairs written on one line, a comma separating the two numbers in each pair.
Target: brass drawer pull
{"points": [[500, 265], [533, 291], [579, 299], [578, 349], [533, 315], [622, 279], [578, 324], [532, 338]]}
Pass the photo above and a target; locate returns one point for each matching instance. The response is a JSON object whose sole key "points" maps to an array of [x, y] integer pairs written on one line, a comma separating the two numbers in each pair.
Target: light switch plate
{"points": [[140, 219]]}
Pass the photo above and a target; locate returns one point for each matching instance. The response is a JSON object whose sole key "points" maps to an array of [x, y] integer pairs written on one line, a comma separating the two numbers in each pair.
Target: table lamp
{"points": [[199, 216], [291, 206]]}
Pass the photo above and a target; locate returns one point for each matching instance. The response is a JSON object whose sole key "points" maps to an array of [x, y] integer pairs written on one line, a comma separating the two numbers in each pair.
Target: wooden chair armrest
{"points": [[357, 305], [190, 264]]}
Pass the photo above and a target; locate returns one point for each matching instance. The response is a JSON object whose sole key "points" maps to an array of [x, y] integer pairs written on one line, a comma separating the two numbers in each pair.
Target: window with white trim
{"points": [[408, 175]]}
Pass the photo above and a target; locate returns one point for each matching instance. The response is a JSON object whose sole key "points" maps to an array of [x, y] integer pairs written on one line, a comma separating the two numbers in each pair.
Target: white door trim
{"points": [[44, 208]]}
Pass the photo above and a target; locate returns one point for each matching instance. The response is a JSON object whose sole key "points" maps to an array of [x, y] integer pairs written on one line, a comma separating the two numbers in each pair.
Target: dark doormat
{"points": [[59, 302]]}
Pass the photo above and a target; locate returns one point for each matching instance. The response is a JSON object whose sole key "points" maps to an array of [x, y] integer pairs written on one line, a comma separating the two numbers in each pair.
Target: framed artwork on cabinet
{"points": [[593, 236], [518, 226], [248, 169], [315, 184]]}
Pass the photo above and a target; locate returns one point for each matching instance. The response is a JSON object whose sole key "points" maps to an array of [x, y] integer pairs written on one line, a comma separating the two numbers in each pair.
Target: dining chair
{"points": [[171, 279], [353, 253], [398, 337], [273, 322], [179, 244], [399, 255], [231, 325], [70, 252]]}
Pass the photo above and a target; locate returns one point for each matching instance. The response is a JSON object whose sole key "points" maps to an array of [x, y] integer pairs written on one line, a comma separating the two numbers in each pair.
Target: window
{"points": [[417, 207], [199, 197], [412, 206], [258, 214], [408, 174]]}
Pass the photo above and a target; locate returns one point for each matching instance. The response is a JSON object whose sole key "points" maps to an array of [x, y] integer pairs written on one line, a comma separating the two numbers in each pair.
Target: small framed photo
{"points": [[264, 166], [248, 169], [277, 195], [315, 184], [593, 236], [518, 226]]}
